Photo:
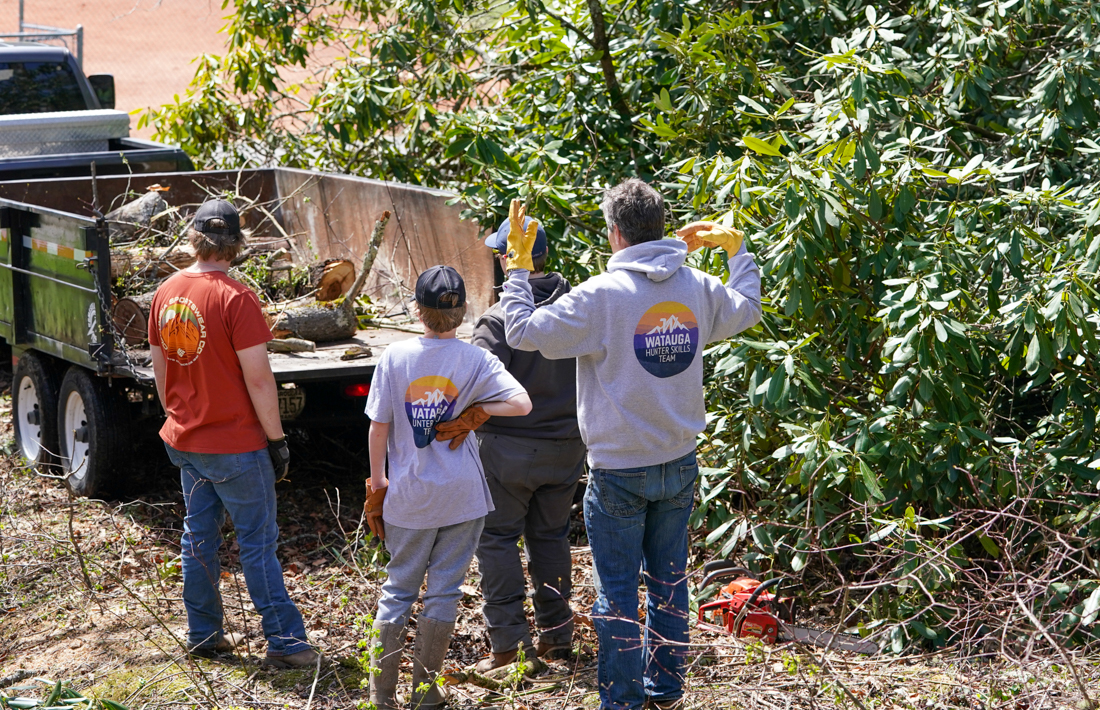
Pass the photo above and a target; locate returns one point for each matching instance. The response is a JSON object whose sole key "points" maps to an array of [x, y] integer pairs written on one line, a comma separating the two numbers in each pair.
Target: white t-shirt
{"points": [[417, 384]]}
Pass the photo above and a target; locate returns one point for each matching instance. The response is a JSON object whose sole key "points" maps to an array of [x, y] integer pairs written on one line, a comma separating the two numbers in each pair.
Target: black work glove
{"points": [[280, 457]]}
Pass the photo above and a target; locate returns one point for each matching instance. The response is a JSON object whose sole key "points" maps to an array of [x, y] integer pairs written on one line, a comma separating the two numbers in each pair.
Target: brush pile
{"points": [[305, 303]]}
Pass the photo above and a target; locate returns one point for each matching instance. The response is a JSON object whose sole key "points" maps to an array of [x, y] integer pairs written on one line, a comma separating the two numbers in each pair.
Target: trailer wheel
{"points": [[94, 428], [34, 410]]}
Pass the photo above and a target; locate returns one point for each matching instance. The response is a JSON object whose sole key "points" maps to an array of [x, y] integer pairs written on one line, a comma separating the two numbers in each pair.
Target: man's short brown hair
{"points": [[636, 209], [215, 247], [442, 320]]}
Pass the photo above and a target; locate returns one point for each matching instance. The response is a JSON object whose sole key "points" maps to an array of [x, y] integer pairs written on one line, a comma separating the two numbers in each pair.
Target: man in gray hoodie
{"points": [[638, 331]]}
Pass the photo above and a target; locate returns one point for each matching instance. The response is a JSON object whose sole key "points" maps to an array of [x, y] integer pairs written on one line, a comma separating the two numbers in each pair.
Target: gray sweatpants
{"points": [[443, 554], [532, 482]]}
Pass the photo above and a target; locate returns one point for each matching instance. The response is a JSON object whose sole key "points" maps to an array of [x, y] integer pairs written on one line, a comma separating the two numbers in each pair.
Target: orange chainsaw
{"points": [[749, 608]]}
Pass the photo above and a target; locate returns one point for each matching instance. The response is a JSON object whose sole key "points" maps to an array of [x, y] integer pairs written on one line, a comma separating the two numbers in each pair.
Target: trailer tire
{"points": [[34, 410], [94, 431]]}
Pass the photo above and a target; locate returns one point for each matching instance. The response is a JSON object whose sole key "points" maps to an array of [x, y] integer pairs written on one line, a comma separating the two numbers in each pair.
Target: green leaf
{"points": [[941, 332], [1092, 607], [874, 207], [989, 545], [761, 147], [777, 385], [870, 481], [1031, 363], [906, 200]]}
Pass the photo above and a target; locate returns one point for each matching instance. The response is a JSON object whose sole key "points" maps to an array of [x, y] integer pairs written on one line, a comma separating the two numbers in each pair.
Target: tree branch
{"points": [[599, 42]]}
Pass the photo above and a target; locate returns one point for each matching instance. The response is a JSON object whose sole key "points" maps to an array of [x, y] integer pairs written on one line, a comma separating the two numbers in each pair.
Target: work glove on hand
{"points": [[520, 243], [372, 509], [280, 457], [711, 234], [460, 427]]}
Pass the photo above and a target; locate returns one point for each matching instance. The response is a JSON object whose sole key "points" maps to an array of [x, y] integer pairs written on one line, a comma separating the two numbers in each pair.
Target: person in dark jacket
{"points": [[533, 465]]}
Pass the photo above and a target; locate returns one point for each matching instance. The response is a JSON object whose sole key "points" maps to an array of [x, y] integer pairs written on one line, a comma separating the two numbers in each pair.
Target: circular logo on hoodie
{"points": [[428, 401], [666, 339]]}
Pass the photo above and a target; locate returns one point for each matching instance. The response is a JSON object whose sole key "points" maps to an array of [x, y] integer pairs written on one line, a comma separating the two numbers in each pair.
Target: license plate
{"points": [[291, 403]]}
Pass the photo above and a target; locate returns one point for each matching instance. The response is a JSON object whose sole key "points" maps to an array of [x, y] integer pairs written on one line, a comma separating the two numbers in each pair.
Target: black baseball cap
{"points": [[436, 283], [217, 209], [498, 240]]}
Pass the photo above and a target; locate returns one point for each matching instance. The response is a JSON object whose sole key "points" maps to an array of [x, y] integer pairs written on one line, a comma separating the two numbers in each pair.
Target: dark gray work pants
{"points": [[532, 482]]}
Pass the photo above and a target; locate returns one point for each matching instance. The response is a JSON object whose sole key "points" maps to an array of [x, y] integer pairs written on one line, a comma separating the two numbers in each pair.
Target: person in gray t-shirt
{"points": [[437, 496]]}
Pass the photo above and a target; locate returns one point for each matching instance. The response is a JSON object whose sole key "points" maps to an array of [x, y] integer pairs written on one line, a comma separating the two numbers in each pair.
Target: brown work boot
{"points": [[225, 644], [553, 651], [496, 660], [301, 659]]}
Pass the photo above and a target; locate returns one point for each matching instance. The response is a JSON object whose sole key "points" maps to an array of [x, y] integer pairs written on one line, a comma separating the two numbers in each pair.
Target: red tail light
{"points": [[357, 390]]}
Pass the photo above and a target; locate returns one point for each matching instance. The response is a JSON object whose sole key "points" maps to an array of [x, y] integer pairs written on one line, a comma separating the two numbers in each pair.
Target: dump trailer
{"points": [[81, 394]]}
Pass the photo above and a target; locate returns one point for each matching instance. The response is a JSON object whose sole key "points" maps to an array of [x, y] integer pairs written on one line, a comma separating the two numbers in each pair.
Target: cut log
{"points": [[331, 279], [131, 318], [149, 263], [325, 321], [291, 345], [149, 210], [321, 322]]}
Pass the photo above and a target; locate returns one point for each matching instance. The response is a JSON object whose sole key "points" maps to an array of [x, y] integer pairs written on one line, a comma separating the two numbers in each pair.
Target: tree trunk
{"points": [[599, 41], [332, 278], [131, 318], [149, 210], [147, 264], [327, 321]]}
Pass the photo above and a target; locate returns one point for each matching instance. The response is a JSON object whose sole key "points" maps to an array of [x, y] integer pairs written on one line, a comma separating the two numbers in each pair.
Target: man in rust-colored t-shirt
{"points": [[208, 341]]}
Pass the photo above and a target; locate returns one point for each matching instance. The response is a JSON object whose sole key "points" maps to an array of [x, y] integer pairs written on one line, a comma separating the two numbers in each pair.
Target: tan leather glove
{"points": [[372, 509], [460, 427], [711, 234], [520, 243]]}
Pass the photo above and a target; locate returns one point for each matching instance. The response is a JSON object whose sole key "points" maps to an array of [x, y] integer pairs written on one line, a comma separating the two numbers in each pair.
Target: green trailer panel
{"points": [[52, 292]]}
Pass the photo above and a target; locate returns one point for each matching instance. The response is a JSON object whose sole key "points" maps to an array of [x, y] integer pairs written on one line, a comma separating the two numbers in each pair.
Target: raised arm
{"points": [[558, 330], [738, 301]]}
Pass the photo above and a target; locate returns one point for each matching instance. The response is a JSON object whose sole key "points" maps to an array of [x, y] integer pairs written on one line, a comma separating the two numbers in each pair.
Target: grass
{"points": [[119, 639]]}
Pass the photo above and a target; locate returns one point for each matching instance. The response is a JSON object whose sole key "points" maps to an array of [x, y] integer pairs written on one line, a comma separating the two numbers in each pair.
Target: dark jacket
{"points": [[552, 384]]}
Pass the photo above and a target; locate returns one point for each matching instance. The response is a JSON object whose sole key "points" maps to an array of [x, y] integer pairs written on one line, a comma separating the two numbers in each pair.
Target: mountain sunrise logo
{"points": [[182, 330], [428, 401], [666, 339]]}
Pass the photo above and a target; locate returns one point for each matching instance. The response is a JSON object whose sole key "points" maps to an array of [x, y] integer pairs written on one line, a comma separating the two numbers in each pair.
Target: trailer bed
{"points": [[322, 364]]}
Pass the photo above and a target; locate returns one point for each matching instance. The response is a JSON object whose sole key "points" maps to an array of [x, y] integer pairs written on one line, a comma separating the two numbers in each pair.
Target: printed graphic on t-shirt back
{"points": [[666, 339], [182, 330], [428, 401]]}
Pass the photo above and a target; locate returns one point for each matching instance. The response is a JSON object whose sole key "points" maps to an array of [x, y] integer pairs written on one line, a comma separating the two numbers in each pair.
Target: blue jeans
{"points": [[637, 519], [243, 485]]}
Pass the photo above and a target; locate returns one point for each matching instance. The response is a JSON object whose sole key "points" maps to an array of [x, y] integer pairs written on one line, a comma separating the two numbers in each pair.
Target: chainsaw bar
{"points": [[827, 639]]}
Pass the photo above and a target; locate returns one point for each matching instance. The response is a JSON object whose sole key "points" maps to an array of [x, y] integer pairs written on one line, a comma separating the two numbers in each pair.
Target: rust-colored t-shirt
{"points": [[199, 320]]}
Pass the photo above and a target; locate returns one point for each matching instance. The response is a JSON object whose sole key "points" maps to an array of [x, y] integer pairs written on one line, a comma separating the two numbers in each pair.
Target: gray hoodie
{"points": [[638, 332]]}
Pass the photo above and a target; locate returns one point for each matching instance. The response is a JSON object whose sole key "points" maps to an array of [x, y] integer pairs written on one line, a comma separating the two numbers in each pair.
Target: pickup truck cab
{"points": [[55, 122]]}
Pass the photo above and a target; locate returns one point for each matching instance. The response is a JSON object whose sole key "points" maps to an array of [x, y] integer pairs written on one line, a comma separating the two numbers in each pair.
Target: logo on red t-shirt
{"points": [[428, 401], [182, 330]]}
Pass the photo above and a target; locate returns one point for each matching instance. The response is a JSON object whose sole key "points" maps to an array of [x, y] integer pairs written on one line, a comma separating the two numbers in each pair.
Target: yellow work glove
{"points": [[711, 234], [520, 243]]}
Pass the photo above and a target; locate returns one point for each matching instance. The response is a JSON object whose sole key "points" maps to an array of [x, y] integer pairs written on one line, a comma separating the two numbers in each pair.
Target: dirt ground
{"points": [[148, 45], [114, 632]]}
